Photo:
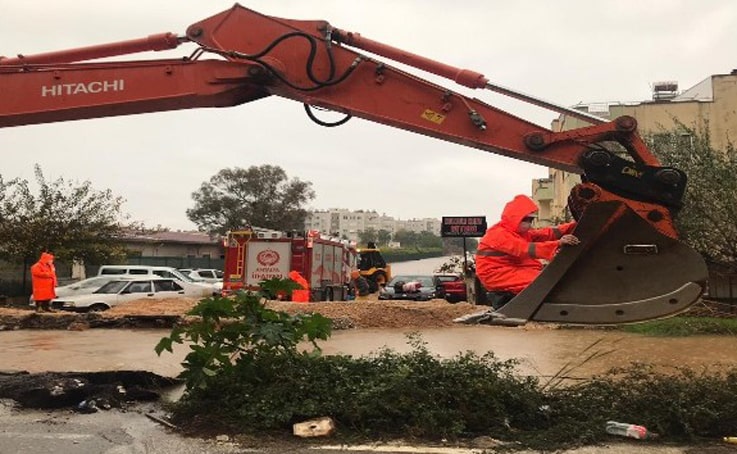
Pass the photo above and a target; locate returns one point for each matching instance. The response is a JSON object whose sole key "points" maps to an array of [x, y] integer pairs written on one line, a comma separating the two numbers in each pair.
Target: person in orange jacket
{"points": [[509, 253], [43, 282], [300, 296]]}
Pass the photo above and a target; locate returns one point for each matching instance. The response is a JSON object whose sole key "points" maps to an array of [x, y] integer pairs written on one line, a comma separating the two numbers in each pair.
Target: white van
{"points": [[163, 271]]}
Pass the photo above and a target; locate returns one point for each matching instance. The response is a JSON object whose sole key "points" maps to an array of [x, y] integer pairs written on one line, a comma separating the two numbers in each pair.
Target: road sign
{"points": [[463, 226]]}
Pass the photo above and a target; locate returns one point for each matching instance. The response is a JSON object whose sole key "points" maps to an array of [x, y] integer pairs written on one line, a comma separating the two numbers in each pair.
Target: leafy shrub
{"points": [[230, 332], [414, 394], [685, 326], [681, 405]]}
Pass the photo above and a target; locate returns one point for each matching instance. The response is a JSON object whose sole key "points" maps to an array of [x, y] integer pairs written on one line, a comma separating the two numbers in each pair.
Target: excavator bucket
{"points": [[624, 271]]}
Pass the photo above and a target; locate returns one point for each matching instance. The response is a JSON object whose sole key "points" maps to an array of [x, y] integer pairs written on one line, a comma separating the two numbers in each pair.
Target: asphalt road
{"points": [[132, 432], [109, 432]]}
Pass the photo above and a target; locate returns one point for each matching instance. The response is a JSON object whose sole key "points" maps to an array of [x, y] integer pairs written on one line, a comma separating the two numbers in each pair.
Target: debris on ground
{"points": [[87, 392], [319, 427]]}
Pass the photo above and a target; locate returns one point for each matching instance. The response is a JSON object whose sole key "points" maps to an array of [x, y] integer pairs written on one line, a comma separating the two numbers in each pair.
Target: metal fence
{"points": [[722, 286]]}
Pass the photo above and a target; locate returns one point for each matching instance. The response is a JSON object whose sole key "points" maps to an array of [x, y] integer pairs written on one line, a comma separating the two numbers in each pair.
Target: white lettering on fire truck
{"points": [[97, 86], [263, 273]]}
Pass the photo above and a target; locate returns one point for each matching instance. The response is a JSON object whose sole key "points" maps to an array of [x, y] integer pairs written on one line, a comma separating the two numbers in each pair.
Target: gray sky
{"points": [[566, 51]]}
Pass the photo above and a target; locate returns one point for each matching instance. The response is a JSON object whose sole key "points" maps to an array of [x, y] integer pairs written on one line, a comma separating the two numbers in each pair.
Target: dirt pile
{"points": [[384, 314], [171, 306], [365, 313], [368, 313]]}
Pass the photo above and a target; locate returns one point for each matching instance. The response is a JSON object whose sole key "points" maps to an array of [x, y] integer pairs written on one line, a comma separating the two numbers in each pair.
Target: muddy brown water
{"points": [[541, 351]]}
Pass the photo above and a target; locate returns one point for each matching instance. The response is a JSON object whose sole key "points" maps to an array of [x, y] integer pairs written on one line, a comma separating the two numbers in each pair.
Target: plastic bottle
{"points": [[732, 440], [628, 430]]}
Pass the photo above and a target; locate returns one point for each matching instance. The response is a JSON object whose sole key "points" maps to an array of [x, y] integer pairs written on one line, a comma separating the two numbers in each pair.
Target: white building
{"points": [[342, 222]]}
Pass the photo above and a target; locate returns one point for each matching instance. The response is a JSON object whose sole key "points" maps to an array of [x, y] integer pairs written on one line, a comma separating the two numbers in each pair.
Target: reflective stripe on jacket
{"points": [[508, 260]]}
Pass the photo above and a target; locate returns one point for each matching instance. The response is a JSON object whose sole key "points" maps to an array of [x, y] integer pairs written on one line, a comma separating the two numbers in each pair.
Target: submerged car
{"points": [[119, 291], [450, 286], [403, 288]]}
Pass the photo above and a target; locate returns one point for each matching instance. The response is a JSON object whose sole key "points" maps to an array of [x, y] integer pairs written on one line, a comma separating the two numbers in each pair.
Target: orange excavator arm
{"points": [[321, 66]]}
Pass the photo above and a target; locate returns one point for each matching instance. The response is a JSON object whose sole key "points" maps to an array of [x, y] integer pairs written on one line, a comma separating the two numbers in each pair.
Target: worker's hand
{"points": [[569, 240]]}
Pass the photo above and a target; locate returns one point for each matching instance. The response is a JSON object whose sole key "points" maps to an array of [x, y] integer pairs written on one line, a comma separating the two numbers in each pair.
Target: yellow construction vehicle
{"points": [[373, 267]]}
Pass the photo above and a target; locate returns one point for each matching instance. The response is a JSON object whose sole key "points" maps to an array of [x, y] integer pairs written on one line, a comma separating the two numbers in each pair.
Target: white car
{"points": [[144, 271], [85, 286], [119, 291], [209, 275]]}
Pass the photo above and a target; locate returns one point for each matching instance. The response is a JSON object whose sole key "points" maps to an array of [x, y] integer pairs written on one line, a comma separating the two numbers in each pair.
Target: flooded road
{"points": [[542, 351], [422, 266]]}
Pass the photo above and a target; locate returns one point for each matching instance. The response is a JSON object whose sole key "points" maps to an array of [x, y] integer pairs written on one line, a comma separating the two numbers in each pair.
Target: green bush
{"points": [[230, 332], [685, 326], [683, 405], [413, 394]]}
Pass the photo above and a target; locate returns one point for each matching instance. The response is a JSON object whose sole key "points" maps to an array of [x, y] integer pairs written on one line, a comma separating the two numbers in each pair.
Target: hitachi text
{"points": [[98, 86]]}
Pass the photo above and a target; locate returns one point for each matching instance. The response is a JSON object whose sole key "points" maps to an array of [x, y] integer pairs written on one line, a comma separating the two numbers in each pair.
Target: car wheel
{"points": [[380, 278], [377, 281], [98, 307], [451, 299], [373, 287]]}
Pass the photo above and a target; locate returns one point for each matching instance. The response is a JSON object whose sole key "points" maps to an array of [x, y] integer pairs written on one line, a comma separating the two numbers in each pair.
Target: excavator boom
{"points": [[626, 205]]}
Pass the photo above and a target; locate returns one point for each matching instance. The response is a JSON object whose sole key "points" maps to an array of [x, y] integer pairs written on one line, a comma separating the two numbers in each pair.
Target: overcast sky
{"points": [[565, 51]]}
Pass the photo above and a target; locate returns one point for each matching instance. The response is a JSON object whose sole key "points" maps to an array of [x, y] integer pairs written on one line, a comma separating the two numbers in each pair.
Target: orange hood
{"points": [[516, 210]]}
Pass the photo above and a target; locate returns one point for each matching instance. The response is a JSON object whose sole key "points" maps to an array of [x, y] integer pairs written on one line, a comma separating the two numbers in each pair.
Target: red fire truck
{"points": [[252, 256]]}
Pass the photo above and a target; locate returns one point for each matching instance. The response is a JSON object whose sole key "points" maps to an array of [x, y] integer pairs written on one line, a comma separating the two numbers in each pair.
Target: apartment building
{"points": [[349, 223]]}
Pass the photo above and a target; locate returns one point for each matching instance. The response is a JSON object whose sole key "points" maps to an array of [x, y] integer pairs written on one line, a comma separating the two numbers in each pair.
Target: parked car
{"points": [[206, 289], [210, 275], [451, 287], [85, 286], [119, 291], [398, 288]]}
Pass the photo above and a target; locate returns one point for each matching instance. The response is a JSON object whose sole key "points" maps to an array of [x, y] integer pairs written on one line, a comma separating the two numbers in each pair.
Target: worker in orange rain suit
{"points": [[300, 296], [509, 253], [43, 282]]}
